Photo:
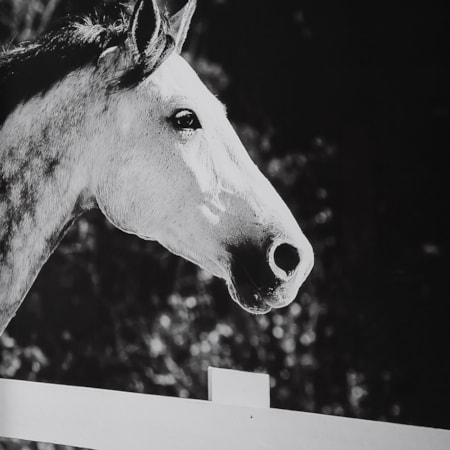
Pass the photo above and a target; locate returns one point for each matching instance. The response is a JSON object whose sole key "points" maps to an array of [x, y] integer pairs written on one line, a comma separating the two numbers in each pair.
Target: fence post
{"points": [[237, 388]]}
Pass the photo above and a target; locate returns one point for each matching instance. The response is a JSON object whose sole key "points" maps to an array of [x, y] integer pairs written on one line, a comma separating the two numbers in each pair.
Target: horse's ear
{"points": [[179, 23], [145, 25]]}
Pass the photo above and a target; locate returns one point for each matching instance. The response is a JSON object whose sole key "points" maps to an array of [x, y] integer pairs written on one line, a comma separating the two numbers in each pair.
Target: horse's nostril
{"points": [[286, 257]]}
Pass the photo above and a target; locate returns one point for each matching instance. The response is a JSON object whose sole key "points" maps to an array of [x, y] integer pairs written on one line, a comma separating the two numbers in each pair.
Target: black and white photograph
{"points": [[224, 224]]}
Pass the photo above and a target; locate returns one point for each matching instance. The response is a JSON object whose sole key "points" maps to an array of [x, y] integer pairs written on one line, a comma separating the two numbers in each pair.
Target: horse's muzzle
{"points": [[268, 275]]}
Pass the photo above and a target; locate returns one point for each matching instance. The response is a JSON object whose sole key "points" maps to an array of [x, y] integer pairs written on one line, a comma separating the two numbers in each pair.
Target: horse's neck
{"points": [[41, 192]]}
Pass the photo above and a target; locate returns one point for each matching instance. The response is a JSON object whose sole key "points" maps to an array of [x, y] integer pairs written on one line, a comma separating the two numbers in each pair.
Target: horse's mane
{"points": [[33, 67]]}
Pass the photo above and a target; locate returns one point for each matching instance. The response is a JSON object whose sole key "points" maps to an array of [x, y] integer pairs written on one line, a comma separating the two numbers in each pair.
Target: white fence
{"points": [[237, 417]]}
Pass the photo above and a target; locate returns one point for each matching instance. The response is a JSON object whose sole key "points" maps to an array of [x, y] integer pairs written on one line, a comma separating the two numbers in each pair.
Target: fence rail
{"points": [[111, 420]]}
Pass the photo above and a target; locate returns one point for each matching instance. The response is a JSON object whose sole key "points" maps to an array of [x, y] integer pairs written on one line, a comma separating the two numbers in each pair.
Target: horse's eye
{"points": [[185, 119]]}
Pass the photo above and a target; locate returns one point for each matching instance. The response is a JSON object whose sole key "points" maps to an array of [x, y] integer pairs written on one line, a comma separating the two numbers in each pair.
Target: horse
{"points": [[111, 116]]}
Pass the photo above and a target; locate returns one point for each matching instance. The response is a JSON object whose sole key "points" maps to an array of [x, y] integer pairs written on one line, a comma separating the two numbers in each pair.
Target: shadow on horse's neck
{"points": [[42, 190]]}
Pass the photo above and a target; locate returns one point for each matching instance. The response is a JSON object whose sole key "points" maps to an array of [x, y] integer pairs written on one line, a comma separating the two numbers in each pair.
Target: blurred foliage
{"points": [[112, 311]]}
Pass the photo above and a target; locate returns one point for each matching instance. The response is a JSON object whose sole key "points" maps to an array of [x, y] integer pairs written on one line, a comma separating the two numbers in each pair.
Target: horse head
{"points": [[169, 167]]}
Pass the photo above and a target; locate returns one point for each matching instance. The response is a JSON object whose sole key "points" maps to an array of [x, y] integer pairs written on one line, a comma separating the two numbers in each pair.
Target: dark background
{"points": [[345, 107]]}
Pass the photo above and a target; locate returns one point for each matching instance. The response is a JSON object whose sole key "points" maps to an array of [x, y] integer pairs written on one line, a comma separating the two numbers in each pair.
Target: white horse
{"points": [[111, 116]]}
